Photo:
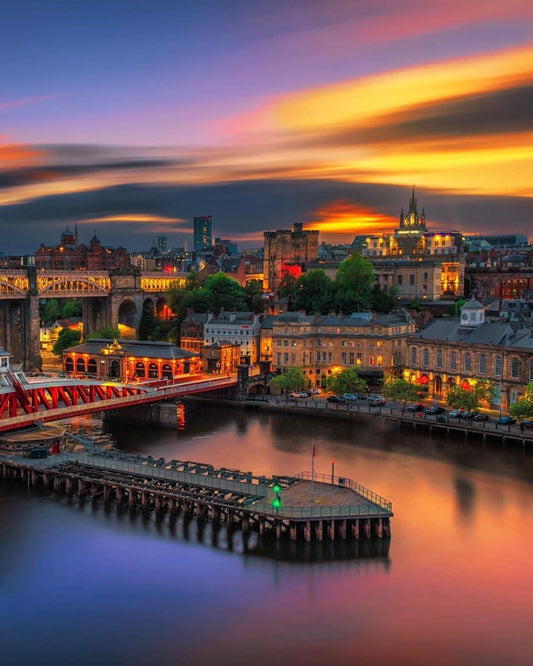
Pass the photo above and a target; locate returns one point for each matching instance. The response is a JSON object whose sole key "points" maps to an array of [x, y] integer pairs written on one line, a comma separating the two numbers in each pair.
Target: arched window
{"points": [[439, 360], [482, 364], [468, 362], [91, 366], [152, 371], [425, 357], [453, 361], [530, 370], [515, 368], [69, 364], [80, 365], [139, 369], [498, 366], [413, 356], [166, 371]]}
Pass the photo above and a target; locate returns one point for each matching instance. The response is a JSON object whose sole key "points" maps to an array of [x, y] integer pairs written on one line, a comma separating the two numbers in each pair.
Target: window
{"points": [[411, 279], [482, 364], [413, 356], [359, 358], [439, 359], [372, 359], [285, 358], [425, 357], [498, 366], [352, 358], [468, 362], [453, 361], [343, 358], [278, 343], [400, 279], [530, 370], [515, 368]]}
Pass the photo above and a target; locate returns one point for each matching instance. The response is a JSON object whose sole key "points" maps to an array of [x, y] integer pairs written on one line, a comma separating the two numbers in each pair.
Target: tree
{"points": [[147, 323], [346, 381], [354, 283], [72, 308], [67, 338], [254, 296], [524, 407], [293, 379], [470, 398], [107, 332], [286, 286], [312, 292], [50, 311], [400, 390], [384, 300]]}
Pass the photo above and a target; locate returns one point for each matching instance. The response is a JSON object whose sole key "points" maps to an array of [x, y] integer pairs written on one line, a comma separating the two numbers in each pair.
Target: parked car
{"points": [[505, 420], [349, 397], [480, 416], [335, 398], [361, 396], [316, 391], [299, 394], [435, 410], [457, 413], [376, 401], [527, 423], [416, 407]]}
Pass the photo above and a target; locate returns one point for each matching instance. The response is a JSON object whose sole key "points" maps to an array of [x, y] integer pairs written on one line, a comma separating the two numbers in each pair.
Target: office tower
{"points": [[202, 232], [160, 243]]}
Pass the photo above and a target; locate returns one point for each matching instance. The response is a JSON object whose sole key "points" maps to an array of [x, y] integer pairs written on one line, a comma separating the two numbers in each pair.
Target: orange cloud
{"points": [[18, 154], [136, 217], [341, 218]]}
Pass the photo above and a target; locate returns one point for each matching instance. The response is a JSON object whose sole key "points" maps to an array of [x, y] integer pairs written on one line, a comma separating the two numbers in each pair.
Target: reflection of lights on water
{"points": [[180, 415]]}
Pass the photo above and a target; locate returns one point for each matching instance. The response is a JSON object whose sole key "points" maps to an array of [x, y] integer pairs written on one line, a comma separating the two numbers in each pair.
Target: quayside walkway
{"points": [[299, 508]]}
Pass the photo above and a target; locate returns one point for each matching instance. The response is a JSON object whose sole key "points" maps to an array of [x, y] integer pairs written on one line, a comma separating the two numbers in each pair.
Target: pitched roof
{"points": [[137, 348]]}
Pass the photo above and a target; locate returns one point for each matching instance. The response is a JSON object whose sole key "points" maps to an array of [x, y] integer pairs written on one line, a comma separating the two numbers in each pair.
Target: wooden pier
{"points": [[297, 508]]}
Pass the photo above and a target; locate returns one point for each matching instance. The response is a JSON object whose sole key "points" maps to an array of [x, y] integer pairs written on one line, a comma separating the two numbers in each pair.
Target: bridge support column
{"points": [[292, 529], [379, 528], [144, 499], [106, 494], [68, 486], [386, 527], [278, 529], [331, 530], [366, 527], [319, 530], [119, 495], [131, 498], [245, 523], [307, 530], [261, 522], [355, 529]]}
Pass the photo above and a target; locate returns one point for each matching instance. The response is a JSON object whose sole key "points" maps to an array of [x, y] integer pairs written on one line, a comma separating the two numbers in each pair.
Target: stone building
{"points": [[241, 328], [321, 345], [192, 331], [421, 264], [287, 251], [450, 351], [221, 357], [70, 254]]}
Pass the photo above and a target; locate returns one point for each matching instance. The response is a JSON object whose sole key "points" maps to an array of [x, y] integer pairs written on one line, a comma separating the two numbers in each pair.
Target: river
{"points": [[81, 584]]}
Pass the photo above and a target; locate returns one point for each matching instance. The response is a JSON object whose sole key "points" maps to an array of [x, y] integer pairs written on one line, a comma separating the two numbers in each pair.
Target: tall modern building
{"points": [[160, 243], [202, 232]]}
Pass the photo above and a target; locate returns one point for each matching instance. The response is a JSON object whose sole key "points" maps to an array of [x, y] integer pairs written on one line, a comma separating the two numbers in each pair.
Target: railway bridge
{"points": [[109, 299]]}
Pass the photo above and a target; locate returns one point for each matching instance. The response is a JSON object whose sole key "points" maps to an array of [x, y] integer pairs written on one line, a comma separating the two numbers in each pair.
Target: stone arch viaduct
{"points": [[108, 300]]}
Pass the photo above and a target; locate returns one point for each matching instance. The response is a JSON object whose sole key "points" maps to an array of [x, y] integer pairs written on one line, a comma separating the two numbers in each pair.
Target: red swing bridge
{"points": [[26, 400]]}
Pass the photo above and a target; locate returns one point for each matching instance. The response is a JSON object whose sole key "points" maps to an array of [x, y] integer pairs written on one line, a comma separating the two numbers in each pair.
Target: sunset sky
{"points": [[129, 118]]}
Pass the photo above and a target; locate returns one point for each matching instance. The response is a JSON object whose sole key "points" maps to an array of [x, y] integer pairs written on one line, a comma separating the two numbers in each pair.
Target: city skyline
{"points": [[132, 118]]}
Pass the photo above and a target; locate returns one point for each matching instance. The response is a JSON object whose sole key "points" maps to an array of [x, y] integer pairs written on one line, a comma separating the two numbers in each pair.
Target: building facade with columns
{"points": [[451, 352], [130, 360], [322, 345]]}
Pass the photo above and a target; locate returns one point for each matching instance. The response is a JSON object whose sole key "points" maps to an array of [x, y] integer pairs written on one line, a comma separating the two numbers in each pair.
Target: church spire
{"points": [[412, 203]]}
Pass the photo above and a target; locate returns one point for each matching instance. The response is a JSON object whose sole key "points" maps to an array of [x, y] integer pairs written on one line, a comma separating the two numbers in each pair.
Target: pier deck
{"points": [[308, 508]]}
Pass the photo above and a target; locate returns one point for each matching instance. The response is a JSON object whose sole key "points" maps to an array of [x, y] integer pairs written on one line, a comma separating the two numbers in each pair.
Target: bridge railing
{"points": [[319, 511]]}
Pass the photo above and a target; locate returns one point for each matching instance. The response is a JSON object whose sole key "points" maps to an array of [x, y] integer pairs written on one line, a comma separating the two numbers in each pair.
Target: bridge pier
{"points": [[355, 529]]}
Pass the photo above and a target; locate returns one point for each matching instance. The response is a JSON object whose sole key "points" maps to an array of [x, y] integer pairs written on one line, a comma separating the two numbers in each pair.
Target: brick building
{"points": [[287, 251]]}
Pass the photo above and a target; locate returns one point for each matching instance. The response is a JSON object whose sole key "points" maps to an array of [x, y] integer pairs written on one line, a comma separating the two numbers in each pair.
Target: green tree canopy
{"points": [[71, 308], [354, 284], [461, 398], [286, 286], [147, 323], [313, 292], [524, 407], [50, 311], [347, 380], [218, 292], [67, 338], [293, 379], [254, 296], [384, 300], [400, 390]]}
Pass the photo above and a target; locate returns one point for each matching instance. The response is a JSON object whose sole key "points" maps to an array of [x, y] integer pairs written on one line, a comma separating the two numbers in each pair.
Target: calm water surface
{"points": [[84, 585]]}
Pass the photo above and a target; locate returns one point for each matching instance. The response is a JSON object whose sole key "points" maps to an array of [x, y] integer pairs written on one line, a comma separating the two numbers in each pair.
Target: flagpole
{"points": [[312, 470]]}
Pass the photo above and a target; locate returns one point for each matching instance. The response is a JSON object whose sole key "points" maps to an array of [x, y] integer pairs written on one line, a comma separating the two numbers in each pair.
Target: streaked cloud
{"points": [[340, 221]]}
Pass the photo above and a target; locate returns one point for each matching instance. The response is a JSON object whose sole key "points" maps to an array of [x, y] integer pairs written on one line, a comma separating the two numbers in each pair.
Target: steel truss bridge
{"points": [[26, 400]]}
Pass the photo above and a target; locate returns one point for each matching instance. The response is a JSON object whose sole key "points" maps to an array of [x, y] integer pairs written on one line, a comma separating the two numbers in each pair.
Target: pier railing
{"points": [[310, 512], [347, 483]]}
